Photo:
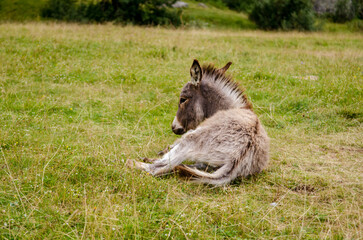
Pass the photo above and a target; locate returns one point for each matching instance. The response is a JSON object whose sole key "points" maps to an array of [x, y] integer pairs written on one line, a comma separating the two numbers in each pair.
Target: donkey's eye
{"points": [[183, 100]]}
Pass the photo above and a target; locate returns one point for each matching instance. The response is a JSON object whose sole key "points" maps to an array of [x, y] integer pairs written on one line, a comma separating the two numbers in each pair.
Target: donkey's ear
{"points": [[225, 68], [195, 73]]}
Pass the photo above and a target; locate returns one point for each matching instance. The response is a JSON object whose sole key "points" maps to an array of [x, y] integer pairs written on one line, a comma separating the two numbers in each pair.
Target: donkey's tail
{"points": [[220, 177], [223, 175]]}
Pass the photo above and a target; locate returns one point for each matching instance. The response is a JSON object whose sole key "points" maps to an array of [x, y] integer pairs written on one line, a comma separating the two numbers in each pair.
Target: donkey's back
{"points": [[222, 132]]}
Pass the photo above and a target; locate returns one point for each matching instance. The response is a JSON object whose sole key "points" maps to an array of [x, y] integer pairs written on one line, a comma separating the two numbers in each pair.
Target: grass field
{"points": [[76, 101]]}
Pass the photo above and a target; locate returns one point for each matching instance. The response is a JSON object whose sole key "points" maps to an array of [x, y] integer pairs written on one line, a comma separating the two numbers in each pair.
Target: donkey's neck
{"points": [[221, 93]]}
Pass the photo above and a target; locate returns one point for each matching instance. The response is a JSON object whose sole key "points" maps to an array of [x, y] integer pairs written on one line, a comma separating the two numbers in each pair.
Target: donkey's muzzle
{"points": [[177, 127]]}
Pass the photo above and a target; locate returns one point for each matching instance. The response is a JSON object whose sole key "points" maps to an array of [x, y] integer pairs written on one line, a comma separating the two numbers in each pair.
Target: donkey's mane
{"points": [[225, 85]]}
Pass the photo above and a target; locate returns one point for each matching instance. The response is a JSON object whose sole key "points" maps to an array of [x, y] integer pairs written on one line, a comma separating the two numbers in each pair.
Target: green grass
{"points": [[76, 101], [355, 25]]}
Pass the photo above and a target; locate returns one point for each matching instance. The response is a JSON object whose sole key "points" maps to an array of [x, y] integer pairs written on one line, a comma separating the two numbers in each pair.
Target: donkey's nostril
{"points": [[178, 131]]}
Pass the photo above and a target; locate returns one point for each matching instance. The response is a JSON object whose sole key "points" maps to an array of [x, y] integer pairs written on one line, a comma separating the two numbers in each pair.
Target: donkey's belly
{"points": [[226, 137]]}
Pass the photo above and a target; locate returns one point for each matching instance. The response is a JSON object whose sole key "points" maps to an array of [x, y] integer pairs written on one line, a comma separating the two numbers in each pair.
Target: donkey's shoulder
{"points": [[235, 116]]}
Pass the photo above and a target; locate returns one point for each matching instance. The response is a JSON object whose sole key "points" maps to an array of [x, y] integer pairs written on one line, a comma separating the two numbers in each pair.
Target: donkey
{"points": [[221, 133]]}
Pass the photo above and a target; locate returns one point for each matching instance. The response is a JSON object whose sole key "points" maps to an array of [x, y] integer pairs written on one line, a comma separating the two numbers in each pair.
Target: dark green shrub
{"points": [[20, 10], [344, 11], [283, 14], [358, 8], [98, 12], [60, 10], [147, 12], [240, 5], [144, 12]]}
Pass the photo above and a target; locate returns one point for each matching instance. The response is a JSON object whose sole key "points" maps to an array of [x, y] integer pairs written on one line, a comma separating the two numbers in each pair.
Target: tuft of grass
{"points": [[76, 101]]}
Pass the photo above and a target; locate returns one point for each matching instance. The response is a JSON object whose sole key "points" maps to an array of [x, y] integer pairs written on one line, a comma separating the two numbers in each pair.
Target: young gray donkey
{"points": [[221, 131]]}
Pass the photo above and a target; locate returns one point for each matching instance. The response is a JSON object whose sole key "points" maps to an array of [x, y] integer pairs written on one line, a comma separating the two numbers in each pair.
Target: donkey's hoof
{"points": [[161, 153], [137, 165], [130, 163], [148, 160], [164, 151]]}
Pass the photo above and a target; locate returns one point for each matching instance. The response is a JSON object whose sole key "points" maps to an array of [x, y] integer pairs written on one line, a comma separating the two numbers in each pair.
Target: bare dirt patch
{"points": [[304, 188]]}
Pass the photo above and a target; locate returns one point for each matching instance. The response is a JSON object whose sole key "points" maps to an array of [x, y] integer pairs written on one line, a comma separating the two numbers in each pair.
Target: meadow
{"points": [[76, 101]]}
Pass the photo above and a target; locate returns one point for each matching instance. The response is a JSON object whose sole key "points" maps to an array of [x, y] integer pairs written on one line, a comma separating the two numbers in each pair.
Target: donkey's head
{"points": [[201, 97]]}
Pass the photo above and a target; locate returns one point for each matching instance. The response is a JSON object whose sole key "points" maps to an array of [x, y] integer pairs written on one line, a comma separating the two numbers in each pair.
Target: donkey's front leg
{"points": [[163, 165], [164, 151], [149, 160], [168, 148]]}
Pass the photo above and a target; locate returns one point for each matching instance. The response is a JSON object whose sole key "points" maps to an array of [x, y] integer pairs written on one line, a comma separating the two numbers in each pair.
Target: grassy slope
{"points": [[76, 101], [21, 10], [213, 17]]}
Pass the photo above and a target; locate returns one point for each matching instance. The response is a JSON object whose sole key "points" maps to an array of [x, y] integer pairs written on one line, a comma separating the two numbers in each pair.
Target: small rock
{"points": [[180, 4]]}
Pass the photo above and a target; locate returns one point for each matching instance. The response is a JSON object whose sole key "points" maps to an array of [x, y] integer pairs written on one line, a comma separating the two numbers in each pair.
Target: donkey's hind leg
{"points": [[204, 167], [163, 165]]}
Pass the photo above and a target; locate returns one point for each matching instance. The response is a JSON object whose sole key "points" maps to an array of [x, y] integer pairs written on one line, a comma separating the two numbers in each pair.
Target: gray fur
{"points": [[221, 129]]}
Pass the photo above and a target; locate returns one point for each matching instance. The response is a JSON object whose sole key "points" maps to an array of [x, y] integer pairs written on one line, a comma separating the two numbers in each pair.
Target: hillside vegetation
{"points": [[20, 10], [192, 17], [213, 17], [76, 101]]}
